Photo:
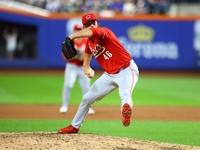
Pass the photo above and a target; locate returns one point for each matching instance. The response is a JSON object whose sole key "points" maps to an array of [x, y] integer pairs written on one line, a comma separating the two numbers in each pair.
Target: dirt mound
{"points": [[52, 141]]}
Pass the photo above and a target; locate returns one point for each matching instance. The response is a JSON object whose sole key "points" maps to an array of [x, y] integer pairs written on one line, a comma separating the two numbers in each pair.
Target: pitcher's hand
{"points": [[89, 72]]}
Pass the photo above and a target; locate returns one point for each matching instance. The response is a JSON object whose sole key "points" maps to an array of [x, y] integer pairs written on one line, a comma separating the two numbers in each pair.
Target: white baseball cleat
{"points": [[63, 109], [91, 112]]}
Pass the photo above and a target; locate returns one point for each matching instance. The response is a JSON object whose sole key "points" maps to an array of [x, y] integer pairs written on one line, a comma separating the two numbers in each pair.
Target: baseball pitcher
{"points": [[120, 70]]}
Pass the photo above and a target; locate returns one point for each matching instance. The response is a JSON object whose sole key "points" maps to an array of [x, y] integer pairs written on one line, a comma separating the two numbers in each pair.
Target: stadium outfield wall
{"points": [[154, 42]]}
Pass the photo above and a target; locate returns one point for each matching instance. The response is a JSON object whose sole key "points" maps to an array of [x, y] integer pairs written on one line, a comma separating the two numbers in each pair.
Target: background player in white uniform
{"points": [[10, 35], [73, 71], [120, 71]]}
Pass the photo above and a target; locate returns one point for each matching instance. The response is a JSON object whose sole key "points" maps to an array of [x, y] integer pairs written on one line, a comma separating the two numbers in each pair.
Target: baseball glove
{"points": [[68, 48]]}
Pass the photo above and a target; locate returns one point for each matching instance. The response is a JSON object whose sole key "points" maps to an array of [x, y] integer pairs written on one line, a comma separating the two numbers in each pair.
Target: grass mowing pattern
{"points": [[149, 91], [167, 91]]}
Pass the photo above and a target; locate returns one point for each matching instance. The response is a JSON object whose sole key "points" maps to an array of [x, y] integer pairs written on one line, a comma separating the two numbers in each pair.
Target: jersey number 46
{"points": [[107, 55]]}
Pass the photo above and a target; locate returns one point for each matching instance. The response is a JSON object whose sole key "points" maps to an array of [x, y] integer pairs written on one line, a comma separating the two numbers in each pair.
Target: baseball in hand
{"points": [[92, 74]]}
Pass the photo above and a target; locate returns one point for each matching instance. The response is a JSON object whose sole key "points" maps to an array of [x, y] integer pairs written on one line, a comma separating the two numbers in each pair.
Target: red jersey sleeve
{"points": [[98, 32]]}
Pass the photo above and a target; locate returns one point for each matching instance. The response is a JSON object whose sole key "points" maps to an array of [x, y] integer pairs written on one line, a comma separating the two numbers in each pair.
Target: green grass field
{"points": [[149, 91]]}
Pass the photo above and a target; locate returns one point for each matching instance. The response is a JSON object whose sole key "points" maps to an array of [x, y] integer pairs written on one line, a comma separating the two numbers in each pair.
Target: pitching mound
{"points": [[52, 141]]}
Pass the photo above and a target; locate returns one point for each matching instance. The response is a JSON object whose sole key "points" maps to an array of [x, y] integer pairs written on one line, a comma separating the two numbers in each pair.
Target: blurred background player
{"points": [[10, 35], [73, 71]]}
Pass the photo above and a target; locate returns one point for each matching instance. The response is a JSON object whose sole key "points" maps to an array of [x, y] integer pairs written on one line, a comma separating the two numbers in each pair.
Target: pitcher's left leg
{"points": [[100, 88]]}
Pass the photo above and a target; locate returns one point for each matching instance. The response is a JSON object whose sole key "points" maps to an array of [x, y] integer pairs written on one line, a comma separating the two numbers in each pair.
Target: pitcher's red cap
{"points": [[88, 17], [78, 27]]}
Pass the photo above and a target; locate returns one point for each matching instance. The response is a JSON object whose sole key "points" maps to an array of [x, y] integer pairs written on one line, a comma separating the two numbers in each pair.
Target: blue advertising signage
{"points": [[157, 44], [153, 44]]}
